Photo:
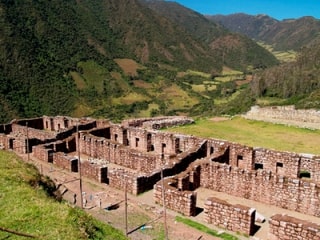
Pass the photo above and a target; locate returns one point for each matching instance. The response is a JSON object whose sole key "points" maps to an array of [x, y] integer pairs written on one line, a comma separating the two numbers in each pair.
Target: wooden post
{"points": [[164, 207], [28, 156], [79, 164], [126, 208]]}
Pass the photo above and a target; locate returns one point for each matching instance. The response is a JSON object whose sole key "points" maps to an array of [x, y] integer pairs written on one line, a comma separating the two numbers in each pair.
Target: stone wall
{"points": [[236, 218], [308, 118], [4, 142], [262, 186], [123, 179], [157, 122], [311, 164], [283, 227], [23, 131], [36, 123], [65, 162], [282, 163], [94, 171], [183, 202], [43, 153]]}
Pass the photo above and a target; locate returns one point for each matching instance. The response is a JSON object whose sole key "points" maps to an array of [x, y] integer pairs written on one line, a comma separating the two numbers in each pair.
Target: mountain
{"points": [[295, 83], [289, 34], [234, 50], [41, 43]]}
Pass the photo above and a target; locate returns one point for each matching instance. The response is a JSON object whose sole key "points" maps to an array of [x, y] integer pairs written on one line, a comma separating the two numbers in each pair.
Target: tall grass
{"points": [[26, 208]]}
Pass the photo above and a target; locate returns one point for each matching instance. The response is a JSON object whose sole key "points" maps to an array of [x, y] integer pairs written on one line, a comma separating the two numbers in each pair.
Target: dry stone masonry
{"points": [[286, 115], [236, 218], [283, 227], [131, 156]]}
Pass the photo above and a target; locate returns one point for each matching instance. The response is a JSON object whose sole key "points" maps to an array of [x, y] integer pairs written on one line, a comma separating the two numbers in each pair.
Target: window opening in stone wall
{"points": [[10, 143], [211, 150], [51, 124], [149, 142], [66, 125], [163, 147], [125, 138], [116, 137], [239, 157], [279, 164], [177, 145], [58, 126], [258, 166], [47, 125], [137, 142], [304, 174]]}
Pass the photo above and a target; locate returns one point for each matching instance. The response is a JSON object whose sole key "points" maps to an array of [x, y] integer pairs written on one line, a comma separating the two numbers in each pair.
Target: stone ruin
{"points": [[134, 154], [306, 118]]}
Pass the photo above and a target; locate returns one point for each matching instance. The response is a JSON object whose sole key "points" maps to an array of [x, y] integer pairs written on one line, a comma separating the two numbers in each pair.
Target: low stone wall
{"points": [[283, 227], [18, 130], [236, 218], [263, 186], [42, 153], [4, 142], [183, 202], [307, 118], [281, 163], [123, 179], [157, 122], [94, 171], [65, 162]]}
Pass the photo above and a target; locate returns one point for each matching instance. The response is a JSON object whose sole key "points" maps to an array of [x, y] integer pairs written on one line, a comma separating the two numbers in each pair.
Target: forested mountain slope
{"points": [[60, 57], [288, 34], [234, 50], [295, 83]]}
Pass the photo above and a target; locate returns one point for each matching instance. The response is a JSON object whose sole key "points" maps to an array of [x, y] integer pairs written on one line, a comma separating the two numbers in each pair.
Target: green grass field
{"points": [[26, 208], [256, 134]]}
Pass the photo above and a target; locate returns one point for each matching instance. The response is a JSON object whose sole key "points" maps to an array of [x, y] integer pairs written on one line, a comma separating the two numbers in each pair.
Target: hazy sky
{"points": [[279, 9]]}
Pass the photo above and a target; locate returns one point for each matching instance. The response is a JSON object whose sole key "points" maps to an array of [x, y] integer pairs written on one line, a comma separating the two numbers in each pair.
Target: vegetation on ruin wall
{"points": [[25, 207], [205, 229], [256, 134]]}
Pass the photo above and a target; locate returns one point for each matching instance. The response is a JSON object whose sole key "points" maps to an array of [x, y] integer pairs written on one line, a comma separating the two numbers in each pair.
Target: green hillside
{"points": [[231, 49], [27, 208], [59, 58], [118, 59], [294, 83]]}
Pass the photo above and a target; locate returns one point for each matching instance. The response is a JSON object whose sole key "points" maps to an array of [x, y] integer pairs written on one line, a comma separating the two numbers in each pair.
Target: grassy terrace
{"points": [[25, 207], [256, 134]]}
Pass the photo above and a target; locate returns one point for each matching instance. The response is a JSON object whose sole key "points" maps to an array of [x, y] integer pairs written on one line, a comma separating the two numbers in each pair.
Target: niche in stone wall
{"points": [[150, 146], [279, 164], [239, 161], [211, 150], [163, 147], [258, 166], [125, 138], [304, 174], [279, 168], [10, 143]]}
